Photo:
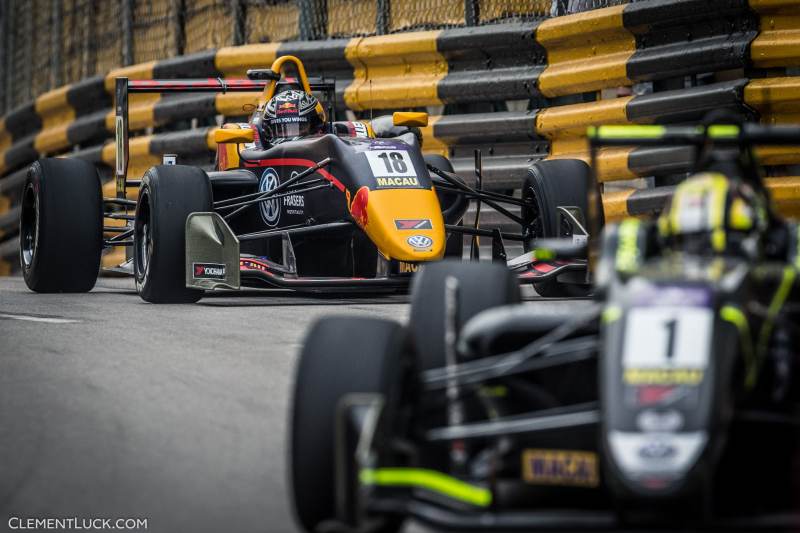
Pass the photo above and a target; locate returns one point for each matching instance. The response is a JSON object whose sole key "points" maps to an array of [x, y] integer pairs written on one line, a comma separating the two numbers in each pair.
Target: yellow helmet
{"points": [[709, 213]]}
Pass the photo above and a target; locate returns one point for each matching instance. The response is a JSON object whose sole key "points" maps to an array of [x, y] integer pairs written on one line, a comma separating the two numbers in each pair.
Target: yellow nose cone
{"points": [[405, 224]]}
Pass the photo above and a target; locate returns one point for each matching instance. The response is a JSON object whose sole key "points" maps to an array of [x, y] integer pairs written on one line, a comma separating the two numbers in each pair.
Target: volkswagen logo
{"points": [[420, 242], [270, 209]]}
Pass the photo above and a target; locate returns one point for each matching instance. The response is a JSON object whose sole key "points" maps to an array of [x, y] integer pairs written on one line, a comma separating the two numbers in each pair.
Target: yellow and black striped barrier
{"points": [[569, 69]]}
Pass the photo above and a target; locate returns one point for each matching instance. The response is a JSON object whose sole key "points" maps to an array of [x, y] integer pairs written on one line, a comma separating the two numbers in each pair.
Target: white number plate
{"points": [[667, 337], [391, 163]]}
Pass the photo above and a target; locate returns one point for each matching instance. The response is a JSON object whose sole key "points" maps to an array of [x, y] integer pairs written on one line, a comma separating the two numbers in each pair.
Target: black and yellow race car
{"points": [[672, 400], [352, 205]]}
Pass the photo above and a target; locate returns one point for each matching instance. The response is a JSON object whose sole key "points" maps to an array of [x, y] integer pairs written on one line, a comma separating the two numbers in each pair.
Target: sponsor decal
{"points": [[286, 108], [397, 183], [657, 449], [407, 268], [662, 376], [560, 467], [294, 200], [647, 457], [294, 97], [360, 129], [416, 223], [250, 264], [656, 395], [270, 209], [660, 421], [672, 295], [420, 242], [208, 271], [120, 145], [358, 208], [661, 396], [288, 120], [294, 204]]}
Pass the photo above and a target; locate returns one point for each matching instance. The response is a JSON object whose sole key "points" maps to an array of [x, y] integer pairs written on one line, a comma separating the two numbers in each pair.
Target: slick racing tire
{"points": [[340, 356], [61, 226], [449, 202], [548, 185], [167, 195], [481, 286]]}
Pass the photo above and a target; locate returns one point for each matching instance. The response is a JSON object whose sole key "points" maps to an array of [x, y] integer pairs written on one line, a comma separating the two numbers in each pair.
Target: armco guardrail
{"points": [[561, 67]]}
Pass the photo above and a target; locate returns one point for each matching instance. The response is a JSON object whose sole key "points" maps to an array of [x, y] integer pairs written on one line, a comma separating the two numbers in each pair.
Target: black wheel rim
{"points": [[532, 214], [29, 226], [143, 237]]}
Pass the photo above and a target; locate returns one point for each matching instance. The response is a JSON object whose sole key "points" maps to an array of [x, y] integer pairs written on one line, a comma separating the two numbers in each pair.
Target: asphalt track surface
{"points": [[111, 407], [114, 408]]}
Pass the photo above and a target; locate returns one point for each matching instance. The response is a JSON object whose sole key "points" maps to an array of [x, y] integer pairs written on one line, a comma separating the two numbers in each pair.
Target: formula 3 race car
{"points": [[354, 206], [670, 401]]}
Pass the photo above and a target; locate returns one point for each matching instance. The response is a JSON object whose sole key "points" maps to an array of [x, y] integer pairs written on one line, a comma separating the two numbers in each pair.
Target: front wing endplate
{"points": [[212, 253]]}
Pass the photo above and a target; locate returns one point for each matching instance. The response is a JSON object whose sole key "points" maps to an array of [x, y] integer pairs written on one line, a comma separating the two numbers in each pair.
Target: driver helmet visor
{"points": [[288, 127]]}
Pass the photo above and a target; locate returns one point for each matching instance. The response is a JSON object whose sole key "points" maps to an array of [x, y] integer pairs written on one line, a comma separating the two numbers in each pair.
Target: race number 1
{"points": [[668, 337]]}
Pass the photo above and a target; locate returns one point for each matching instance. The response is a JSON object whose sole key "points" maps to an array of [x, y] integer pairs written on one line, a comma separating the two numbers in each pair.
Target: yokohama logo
{"points": [[208, 271]]}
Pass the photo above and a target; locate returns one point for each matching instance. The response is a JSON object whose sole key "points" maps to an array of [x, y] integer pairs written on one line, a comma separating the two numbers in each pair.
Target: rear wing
{"points": [[124, 86], [718, 134]]}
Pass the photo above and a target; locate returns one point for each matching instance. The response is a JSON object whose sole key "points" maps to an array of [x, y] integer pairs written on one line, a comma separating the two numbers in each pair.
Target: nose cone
{"points": [[405, 224]]}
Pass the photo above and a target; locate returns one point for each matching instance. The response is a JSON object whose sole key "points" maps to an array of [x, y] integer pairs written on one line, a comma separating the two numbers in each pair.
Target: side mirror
{"points": [[233, 135], [409, 118]]}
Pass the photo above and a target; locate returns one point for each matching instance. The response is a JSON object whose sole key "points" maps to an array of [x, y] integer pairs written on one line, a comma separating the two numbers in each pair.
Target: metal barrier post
{"points": [[3, 49], [382, 17], [126, 10], [313, 19], [472, 12], [57, 15], [238, 22], [9, 40], [177, 22], [27, 68]]}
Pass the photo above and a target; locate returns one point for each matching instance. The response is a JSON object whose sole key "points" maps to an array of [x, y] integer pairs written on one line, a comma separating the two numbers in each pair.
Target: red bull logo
{"points": [[286, 107]]}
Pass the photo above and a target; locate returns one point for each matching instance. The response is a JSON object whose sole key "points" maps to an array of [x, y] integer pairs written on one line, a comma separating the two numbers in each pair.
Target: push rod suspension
{"points": [[470, 190], [483, 232], [283, 186], [238, 200]]}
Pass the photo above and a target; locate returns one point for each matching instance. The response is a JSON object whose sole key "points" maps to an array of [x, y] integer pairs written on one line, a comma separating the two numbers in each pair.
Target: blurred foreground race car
{"points": [[671, 401], [342, 206]]}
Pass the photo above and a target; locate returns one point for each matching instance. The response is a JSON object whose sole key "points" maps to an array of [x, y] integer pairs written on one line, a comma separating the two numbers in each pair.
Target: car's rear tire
{"points": [[61, 226], [550, 184], [340, 356], [481, 286], [167, 196]]}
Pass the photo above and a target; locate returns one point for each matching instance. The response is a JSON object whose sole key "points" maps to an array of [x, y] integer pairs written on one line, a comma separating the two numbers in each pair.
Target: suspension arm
{"points": [[326, 185], [283, 186], [472, 191], [483, 232]]}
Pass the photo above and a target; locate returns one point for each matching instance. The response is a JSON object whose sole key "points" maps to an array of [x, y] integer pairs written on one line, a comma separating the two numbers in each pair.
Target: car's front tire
{"points": [[481, 286], [548, 185], [167, 196], [341, 356], [61, 226]]}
